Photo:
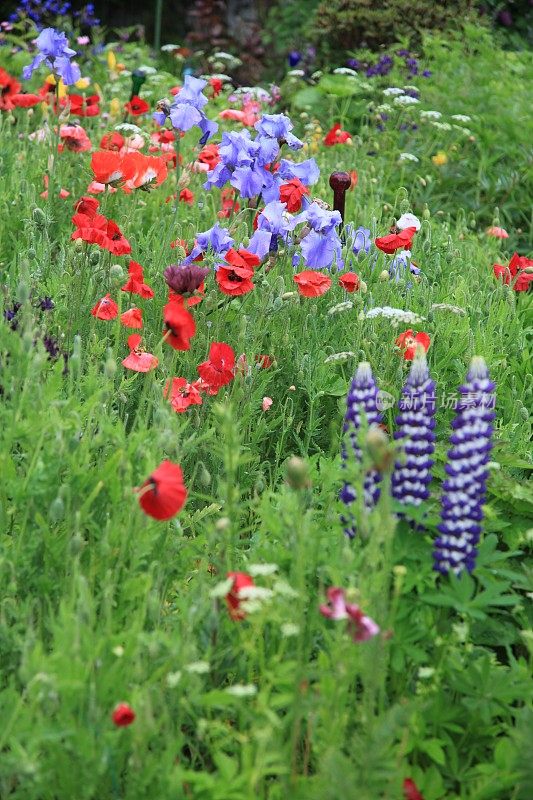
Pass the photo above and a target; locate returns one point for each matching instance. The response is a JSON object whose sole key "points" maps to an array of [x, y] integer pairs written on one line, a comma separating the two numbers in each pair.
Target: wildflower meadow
{"points": [[266, 384]]}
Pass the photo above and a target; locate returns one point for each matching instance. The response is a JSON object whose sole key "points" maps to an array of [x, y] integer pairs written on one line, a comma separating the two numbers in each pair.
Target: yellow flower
{"points": [[114, 107], [83, 83], [111, 60], [62, 88], [440, 159]]}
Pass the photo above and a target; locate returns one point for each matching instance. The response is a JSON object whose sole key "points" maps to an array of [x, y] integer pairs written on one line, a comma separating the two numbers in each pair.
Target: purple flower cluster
{"points": [[244, 161], [39, 12], [464, 489], [273, 222], [322, 245], [187, 109], [53, 48], [416, 421], [385, 64], [215, 240], [362, 401]]}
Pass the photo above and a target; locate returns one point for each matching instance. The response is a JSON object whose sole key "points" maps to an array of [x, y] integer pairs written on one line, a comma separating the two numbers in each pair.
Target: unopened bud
{"points": [[110, 367], [222, 524], [297, 473], [56, 511], [39, 217], [384, 275], [379, 449], [94, 257], [205, 476], [116, 272], [426, 213]]}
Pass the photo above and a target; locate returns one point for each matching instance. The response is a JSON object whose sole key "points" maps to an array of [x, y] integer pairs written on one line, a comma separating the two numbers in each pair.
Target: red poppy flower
{"points": [[179, 326], [186, 196], [138, 360], [229, 203], [25, 100], [234, 281], [132, 318], [182, 394], [209, 155], [143, 171], [336, 136], [101, 231], [311, 283], [216, 84], [264, 361], [518, 273], [396, 241], [218, 370], [62, 192], [123, 715], [74, 138], [136, 106], [108, 166], [83, 106], [9, 86], [350, 282], [135, 283], [242, 258], [106, 308], [163, 137], [408, 341], [88, 206], [410, 790], [233, 598], [112, 141], [165, 492], [291, 194]]}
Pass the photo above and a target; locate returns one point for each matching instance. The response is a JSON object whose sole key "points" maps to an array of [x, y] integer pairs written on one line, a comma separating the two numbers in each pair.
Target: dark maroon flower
{"points": [[185, 279]]}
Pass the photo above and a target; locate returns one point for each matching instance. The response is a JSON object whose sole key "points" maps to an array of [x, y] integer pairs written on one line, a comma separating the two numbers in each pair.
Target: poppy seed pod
{"points": [[297, 473]]}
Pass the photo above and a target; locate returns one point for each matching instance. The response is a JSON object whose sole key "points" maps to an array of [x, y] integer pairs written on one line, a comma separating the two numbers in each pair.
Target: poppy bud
{"points": [[363, 287], [32, 255], [77, 544], [123, 715], [384, 275], [110, 367], [56, 511], [94, 257], [277, 304], [297, 473], [78, 244], [116, 273], [379, 449], [426, 213], [204, 477], [222, 524], [23, 292], [39, 217]]}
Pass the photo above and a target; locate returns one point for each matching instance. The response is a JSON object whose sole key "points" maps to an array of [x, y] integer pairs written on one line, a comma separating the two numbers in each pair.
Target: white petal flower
{"points": [[393, 91], [198, 667], [408, 221], [242, 690], [262, 569], [430, 114], [408, 157], [461, 118], [393, 314], [406, 100]]}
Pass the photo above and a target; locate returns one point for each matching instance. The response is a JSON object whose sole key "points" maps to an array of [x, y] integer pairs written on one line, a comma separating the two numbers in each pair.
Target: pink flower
{"points": [[498, 233], [360, 627], [267, 402]]}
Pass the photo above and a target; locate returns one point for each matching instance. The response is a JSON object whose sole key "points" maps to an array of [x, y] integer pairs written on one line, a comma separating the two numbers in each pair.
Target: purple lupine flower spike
{"points": [[465, 487], [362, 400], [416, 421]]}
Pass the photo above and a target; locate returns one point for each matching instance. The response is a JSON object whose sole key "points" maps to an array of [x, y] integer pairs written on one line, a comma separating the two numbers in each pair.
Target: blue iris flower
{"points": [[53, 48]]}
